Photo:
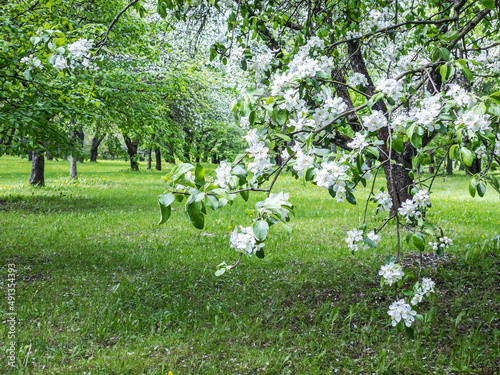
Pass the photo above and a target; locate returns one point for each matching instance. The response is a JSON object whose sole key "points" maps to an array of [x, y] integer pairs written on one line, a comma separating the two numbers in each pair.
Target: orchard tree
{"points": [[344, 93]]}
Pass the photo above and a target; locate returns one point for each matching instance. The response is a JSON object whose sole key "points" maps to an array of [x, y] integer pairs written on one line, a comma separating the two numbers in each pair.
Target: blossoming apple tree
{"points": [[345, 93]]}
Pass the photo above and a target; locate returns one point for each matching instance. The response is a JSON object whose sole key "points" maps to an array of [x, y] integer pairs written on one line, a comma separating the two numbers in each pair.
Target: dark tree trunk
{"points": [[94, 148], [49, 156], [149, 159], [474, 168], [81, 136], [170, 155], [132, 146], [158, 159], [449, 166], [30, 155], [66, 156], [396, 172], [431, 167], [37, 169], [112, 156]]}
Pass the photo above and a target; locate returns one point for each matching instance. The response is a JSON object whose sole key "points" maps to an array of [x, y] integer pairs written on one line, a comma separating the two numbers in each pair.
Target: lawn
{"points": [[102, 289]]}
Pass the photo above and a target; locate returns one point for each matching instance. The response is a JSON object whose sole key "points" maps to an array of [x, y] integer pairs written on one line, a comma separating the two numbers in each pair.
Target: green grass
{"points": [[102, 290]]}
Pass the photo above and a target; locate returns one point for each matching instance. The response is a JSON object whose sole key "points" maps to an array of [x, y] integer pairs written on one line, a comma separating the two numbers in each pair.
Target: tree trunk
{"points": [[149, 159], [431, 167], [449, 165], [37, 169], [132, 146], [158, 159], [396, 171], [81, 135], [30, 155], [49, 156], [72, 168], [94, 148]]}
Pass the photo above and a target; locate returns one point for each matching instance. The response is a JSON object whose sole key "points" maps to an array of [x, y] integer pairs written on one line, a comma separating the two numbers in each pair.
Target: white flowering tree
{"points": [[345, 93]]}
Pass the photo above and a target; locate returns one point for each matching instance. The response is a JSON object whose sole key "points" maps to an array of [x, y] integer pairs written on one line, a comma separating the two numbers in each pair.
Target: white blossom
{"points": [[400, 310], [358, 142], [223, 173], [391, 272], [374, 121], [384, 200], [245, 241], [60, 63]]}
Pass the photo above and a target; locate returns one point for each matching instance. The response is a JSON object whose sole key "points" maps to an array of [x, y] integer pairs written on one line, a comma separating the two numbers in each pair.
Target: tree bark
{"points": [[132, 146], [73, 168], [149, 159], [449, 165], [37, 169], [81, 136], [431, 167], [30, 155], [158, 159], [94, 148]]}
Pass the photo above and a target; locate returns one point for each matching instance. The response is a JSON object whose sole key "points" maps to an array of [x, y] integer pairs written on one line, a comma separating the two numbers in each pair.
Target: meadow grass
{"points": [[102, 289]]}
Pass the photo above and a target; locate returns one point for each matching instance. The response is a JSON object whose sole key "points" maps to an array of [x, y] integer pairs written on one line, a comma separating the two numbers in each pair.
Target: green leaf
{"points": [[450, 35], [180, 169], [495, 97], [416, 140], [350, 198], [443, 70], [281, 117], [408, 237], [195, 215], [391, 101], [418, 241], [284, 137], [212, 202], [466, 156], [220, 271], [165, 200], [397, 143], [490, 4], [374, 151], [472, 188], [252, 117], [199, 175], [481, 189], [369, 242], [260, 253], [260, 229], [245, 194], [445, 53]]}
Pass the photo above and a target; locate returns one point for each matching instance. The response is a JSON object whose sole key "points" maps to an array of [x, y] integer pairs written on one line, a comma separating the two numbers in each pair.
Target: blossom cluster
{"points": [[400, 310], [302, 66], [473, 122], [357, 79], [355, 236], [391, 272], [410, 209], [276, 201], [384, 200], [420, 291], [333, 175], [78, 56], [391, 88], [223, 173], [358, 142], [444, 243], [257, 150], [374, 121], [245, 241]]}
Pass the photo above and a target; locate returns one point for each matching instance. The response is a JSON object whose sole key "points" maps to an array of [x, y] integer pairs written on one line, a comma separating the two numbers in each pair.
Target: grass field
{"points": [[102, 290]]}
